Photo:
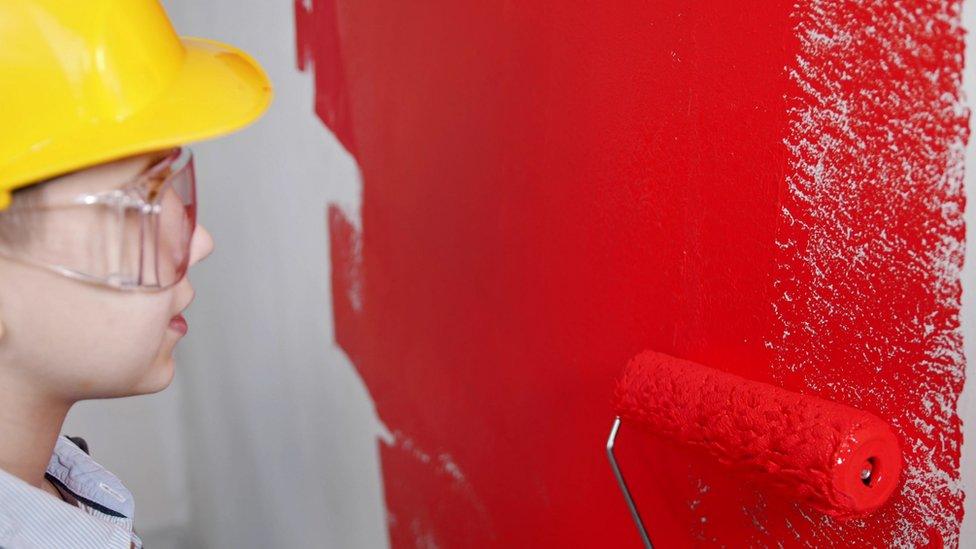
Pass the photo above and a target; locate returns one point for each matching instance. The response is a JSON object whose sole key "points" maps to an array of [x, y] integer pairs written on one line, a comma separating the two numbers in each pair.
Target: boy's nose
{"points": [[201, 245]]}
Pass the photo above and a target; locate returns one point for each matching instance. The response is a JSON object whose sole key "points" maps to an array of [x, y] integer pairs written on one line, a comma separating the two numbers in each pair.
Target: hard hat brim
{"points": [[219, 89]]}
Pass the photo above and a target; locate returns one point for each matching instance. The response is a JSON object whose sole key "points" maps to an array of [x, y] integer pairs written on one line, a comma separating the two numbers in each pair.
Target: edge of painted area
{"points": [[967, 399]]}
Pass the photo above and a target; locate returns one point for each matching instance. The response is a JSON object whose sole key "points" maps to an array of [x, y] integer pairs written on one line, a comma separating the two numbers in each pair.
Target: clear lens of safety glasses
{"points": [[167, 221], [133, 237]]}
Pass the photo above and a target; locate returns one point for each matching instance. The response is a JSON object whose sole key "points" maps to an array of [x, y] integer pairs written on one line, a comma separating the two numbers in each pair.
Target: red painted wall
{"points": [[548, 189]]}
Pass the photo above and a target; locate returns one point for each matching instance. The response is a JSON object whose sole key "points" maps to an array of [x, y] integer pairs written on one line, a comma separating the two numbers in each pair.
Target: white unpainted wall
{"points": [[267, 437]]}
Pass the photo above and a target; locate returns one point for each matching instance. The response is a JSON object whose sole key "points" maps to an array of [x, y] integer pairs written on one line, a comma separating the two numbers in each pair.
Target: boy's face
{"points": [[72, 340]]}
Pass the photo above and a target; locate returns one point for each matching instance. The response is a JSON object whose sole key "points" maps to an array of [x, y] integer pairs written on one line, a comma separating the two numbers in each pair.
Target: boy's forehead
{"points": [[105, 176]]}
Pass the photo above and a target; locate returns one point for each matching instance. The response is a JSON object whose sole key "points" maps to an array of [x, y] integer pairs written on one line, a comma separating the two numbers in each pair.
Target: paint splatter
{"points": [[871, 244]]}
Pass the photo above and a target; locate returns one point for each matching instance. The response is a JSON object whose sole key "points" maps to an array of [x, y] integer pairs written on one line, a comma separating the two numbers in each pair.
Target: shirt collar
{"points": [[31, 517], [89, 481]]}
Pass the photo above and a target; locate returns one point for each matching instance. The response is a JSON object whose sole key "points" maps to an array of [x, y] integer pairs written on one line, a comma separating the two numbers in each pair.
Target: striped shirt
{"points": [[101, 518]]}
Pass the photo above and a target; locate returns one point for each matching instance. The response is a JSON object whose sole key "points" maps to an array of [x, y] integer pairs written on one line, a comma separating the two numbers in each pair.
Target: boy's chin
{"points": [[158, 377]]}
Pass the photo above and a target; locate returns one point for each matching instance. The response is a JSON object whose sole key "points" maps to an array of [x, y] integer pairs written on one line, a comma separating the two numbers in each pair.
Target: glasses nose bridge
{"points": [[141, 196]]}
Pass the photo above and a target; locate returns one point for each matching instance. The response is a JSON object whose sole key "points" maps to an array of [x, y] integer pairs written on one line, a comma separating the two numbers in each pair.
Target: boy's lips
{"points": [[178, 323]]}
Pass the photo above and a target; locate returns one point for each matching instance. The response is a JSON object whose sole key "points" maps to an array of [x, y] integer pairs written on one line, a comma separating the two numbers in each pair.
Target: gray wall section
{"points": [[268, 437]]}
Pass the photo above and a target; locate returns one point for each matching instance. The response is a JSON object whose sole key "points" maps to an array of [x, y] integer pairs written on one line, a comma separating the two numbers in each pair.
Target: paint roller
{"points": [[831, 457]]}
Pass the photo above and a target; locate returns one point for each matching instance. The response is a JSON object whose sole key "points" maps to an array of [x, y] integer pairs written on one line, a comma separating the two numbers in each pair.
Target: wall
{"points": [[967, 401], [522, 197], [771, 188]]}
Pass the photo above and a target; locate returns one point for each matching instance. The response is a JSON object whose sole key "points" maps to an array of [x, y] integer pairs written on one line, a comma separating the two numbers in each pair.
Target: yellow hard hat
{"points": [[87, 81]]}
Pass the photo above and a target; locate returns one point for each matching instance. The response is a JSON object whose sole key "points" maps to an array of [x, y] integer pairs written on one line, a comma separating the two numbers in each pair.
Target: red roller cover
{"points": [[809, 449]]}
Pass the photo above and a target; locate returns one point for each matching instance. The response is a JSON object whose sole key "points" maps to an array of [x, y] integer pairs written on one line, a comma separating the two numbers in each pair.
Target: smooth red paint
{"points": [[767, 187], [810, 450]]}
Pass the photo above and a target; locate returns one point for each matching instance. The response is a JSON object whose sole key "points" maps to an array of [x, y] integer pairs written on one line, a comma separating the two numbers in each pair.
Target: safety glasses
{"points": [[132, 237]]}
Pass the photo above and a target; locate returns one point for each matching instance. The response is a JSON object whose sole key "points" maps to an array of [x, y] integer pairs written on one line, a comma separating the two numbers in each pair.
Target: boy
{"points": [[97, 231]]}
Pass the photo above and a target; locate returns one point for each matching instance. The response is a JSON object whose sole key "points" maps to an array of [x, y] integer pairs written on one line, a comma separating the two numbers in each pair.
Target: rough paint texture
{"points": [[767, 186], [871, 243], [809, 450]]}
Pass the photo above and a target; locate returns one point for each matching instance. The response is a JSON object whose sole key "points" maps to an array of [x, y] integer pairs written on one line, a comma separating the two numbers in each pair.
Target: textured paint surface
{"points": [[766, 187], [872, 236]]}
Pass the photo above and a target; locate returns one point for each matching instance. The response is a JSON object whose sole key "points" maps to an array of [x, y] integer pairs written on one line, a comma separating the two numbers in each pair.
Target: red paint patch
{"points": [[319, 46], [549, 189]]}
